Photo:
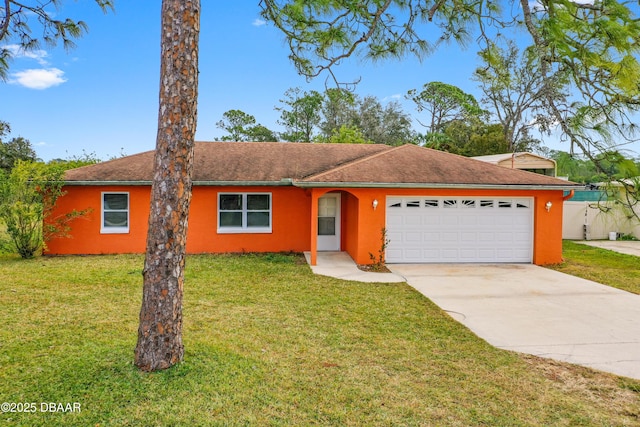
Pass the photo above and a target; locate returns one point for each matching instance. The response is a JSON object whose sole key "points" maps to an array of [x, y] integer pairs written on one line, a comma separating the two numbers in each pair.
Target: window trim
{"points": [[244, 228], [114, 230]]}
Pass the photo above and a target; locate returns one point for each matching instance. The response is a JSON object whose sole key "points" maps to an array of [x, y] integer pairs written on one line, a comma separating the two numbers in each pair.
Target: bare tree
{"points": [[515, 90]]}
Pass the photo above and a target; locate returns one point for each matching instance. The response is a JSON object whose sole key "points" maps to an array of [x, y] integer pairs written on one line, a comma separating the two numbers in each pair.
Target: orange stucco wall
{"points": [[294, 223], [291, 210], [85, 236], [358, 214]]}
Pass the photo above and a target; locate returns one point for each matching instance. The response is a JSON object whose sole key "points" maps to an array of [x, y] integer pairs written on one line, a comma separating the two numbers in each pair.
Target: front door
{"points": [[329, 222]]}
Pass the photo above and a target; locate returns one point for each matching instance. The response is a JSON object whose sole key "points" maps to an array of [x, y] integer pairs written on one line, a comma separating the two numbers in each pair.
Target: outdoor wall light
{"points": [[375, 204], [548, 206]]}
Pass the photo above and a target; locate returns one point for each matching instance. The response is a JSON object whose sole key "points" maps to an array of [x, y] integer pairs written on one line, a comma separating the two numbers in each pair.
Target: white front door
{"points": [[329, 222]]}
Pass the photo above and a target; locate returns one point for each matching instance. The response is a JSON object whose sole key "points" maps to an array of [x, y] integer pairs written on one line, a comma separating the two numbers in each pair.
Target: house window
{"points": [[244, 213], [115, 213]]}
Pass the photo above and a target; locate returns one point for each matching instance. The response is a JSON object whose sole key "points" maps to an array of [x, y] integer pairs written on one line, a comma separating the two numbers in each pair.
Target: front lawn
{"points": [[600, 265], [269, 343]]}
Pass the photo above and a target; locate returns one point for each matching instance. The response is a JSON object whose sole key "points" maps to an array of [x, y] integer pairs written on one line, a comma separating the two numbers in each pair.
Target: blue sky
{"points": [[102, 96]]}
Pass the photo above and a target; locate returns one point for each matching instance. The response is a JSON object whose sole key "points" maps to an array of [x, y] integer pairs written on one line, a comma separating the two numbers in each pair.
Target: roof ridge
{"points": [[353, 162]]}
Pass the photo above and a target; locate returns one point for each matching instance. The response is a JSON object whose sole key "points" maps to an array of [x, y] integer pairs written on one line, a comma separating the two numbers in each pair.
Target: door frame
{"points": [[332, 242]]}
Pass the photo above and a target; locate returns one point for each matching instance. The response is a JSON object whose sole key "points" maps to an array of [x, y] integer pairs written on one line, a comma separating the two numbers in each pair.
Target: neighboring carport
{"points": [[530, 309]]}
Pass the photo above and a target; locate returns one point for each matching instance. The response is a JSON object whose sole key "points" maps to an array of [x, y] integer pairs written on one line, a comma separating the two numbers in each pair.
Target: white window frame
{"points": [[244, 228], [114, 230]]}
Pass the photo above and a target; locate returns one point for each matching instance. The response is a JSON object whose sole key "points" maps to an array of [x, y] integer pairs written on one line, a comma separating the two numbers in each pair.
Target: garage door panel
{"points": [[468, 237], [431, 220], [394, 220], [469, 254], [486, 236], [449, 220], [486, 254], [521, 220], [487, 220], [521, 236], [394, 236], [428, 229], [469, 221], [412, 237], [449, 255], [413, 254], [412, 220], [504, 237], [429, 254], [393, 254], [451, 236], [430, 236]]}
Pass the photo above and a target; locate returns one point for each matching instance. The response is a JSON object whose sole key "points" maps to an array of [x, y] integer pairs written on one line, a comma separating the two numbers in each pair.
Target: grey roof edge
{"points": [[426, 185], [284, 182], [305, 184]]}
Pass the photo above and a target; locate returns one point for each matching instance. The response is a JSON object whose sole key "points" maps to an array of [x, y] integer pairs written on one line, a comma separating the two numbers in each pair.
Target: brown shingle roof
{"points": [[415, 165], [314, 164], [235, 161]]}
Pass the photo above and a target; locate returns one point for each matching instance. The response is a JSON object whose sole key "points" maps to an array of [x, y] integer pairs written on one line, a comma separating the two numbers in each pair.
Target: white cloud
{"points": [[394, 97], [258, 22], [39, 79], [17, 52]]}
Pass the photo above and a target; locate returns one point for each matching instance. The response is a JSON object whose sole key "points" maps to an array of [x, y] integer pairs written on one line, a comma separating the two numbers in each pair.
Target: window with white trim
{"points": [[244, 213], [115, 213]]}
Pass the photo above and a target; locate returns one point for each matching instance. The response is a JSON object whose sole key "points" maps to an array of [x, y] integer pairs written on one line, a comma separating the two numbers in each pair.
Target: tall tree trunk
{"points": [[160, 331]]}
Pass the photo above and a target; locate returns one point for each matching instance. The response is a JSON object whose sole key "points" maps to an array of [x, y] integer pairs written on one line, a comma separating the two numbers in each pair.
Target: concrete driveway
{"points": [[629, 247], [530, 309]]}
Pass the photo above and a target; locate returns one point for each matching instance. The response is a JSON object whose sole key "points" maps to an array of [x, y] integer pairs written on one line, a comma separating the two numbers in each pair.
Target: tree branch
{"points": [[4, 28]]}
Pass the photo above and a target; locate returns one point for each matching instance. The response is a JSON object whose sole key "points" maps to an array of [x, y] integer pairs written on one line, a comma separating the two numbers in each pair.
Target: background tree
{"points": [[14, 149], [470, 138], [343, 109], [338, 109], [442, 104], [15, 16], [346, 134], [242, 127], [383, 124], [514, 92], [260, 133], [235, 123], [76, 161], [300, 114], [159, 343]]}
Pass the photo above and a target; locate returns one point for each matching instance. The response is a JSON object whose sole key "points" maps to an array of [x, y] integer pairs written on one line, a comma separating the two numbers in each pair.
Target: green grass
{"points": [[600, 265], [269, 343]]}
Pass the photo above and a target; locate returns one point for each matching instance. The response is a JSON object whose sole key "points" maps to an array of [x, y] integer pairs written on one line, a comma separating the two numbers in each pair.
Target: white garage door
{"points": [[459, 229]]}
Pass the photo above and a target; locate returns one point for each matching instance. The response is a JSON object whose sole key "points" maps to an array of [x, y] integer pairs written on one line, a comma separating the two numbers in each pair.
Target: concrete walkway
{"points": [[629, 247], [340, 265]]}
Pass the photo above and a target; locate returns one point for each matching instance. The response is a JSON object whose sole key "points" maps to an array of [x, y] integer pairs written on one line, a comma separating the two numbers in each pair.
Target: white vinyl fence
{"points": [[589, 221]]}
